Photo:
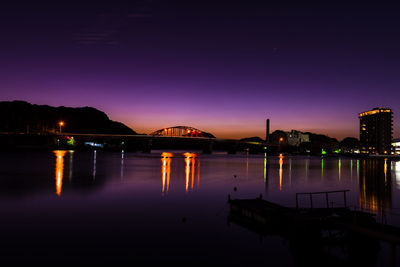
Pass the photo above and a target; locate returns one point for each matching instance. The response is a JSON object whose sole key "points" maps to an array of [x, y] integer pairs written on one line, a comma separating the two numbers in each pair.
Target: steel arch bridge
{"points": [[183, 131]]}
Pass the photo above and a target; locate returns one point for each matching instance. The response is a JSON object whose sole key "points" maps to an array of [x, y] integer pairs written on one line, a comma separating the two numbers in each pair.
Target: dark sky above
{"points": [[220, 66]]}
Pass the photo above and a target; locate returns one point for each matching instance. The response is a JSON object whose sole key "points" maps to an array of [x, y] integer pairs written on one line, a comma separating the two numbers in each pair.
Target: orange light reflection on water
{"points": [[385, 171], [280, 171], [59, 170], [190, 161], [166, 171]]}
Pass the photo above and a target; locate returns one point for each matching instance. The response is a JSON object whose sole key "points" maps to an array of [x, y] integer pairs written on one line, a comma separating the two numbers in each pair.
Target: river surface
{"points": [[171, 207]]}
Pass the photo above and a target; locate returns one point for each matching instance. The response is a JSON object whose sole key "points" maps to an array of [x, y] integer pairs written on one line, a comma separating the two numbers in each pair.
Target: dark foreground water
{"points": [[66, 207]]}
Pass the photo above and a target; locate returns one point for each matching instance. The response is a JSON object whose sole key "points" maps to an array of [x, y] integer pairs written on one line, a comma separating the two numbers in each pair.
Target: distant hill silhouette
{"points": [[253, 139], [23, 117]]}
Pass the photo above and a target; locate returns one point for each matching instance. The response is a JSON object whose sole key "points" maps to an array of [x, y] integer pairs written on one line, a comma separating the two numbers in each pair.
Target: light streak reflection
{"points": [[190, 161], [385, 171], [322, 168], [94, 164], [122, 163], [165, 171], [280, 171], [397, 169], [71, 164], [351, 169], [265, 167], [59, 170]]}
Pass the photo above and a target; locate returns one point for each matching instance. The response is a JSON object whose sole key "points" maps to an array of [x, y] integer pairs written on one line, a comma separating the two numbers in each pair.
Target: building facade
{"points": [[376, 130], [396, 146], [295, 138]]}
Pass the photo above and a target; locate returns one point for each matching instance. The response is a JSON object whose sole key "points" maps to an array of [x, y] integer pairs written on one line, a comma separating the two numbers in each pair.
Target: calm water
{"points": [[102, 207]]}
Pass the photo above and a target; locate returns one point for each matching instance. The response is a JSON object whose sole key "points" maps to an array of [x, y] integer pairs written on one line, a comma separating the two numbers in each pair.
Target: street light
{"points": [[280, 141], [61, 124]]}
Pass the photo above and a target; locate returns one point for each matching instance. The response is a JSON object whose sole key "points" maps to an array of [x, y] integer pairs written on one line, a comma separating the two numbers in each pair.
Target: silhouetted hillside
{"points": [[253, 139], [23, 117]]}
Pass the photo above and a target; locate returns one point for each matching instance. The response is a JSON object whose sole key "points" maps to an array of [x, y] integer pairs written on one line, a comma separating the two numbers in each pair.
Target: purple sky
{"points": [[222, 68]]}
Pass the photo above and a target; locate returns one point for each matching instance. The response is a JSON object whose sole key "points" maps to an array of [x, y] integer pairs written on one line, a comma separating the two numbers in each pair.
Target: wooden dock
{"points": [[313, 233], [268, 217]]}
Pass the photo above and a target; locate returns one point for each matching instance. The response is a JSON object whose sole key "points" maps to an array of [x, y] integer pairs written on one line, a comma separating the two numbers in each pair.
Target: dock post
{"points": [[311, 200], [297, 202], [345, 202]]}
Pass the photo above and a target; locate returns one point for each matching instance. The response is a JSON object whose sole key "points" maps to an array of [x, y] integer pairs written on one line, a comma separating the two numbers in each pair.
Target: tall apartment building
{"points": [[376, 130]]}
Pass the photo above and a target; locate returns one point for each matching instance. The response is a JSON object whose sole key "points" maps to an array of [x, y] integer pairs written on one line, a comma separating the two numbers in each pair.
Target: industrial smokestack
{"points": [[267, 132]]}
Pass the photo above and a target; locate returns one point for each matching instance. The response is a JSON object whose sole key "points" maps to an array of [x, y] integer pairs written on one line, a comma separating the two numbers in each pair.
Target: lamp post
{"points": [[61, 124]]}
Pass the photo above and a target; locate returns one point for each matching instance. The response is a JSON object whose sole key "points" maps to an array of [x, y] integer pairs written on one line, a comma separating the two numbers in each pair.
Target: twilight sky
{"points": [[220, 66]]}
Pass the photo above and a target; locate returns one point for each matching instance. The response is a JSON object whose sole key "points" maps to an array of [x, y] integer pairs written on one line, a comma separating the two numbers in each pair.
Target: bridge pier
{"points": [[208, 146]]}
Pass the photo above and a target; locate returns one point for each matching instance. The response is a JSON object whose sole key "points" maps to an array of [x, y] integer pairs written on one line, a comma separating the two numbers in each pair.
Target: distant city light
{"points": [[93, 144]]}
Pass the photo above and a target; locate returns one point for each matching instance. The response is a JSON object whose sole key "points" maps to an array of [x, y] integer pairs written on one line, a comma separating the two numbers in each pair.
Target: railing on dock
{"points": [[326, 197]]}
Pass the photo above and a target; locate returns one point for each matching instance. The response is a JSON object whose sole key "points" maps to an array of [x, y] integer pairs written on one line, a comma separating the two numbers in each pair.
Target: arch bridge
{"points": [[182, 131]]}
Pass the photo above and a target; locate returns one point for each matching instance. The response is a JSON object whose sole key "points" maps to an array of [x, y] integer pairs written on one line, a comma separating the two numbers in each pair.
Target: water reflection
{"points": [[290, 171], [351, 169], [198, 173], [397, 173], [122, 164], [165, 171], [307, 163], [94, 164], [247, 165], [71, 164], [59, 170], [385, 171], [190, 161], [375, 185], [322, 168], [280, 171], [266, 169]]}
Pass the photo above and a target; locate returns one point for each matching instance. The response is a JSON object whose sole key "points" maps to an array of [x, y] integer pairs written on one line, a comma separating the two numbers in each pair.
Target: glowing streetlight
{"points": [[280, 141], [61, 124]]}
